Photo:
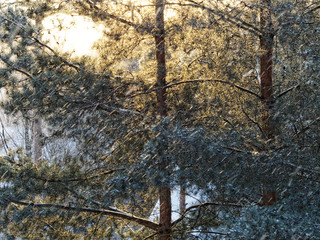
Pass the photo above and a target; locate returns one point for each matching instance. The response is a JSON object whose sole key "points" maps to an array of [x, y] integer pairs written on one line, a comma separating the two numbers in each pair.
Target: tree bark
{"points": [[182, 202], [266, 89], [160, 58], [37, 148], [164, 191], [27, 140], [266, 67]]}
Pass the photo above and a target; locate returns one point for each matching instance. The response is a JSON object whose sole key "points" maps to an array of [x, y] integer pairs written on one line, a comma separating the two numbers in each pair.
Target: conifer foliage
{"points": [[220, 97]]}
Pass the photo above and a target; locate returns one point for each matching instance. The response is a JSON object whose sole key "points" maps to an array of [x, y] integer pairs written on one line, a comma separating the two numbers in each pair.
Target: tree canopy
{"points": [[219, 98]]}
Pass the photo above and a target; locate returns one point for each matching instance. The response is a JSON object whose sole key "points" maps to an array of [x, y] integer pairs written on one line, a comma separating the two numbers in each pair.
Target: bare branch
{"points": [[254, 122], [144, 222], [288, 90]]}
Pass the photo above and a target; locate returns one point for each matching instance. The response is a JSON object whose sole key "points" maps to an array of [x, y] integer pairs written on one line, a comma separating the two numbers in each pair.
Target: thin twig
{"points": [[210, 232], [287, 90], [151, 236], [217, 204], [254, 122]]}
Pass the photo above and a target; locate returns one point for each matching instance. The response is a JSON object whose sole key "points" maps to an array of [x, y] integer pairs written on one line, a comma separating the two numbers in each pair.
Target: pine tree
{"points": [[189, 113]]}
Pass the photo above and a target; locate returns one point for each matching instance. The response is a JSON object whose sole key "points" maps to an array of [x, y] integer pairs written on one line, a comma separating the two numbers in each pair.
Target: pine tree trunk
{"points": [[182, 203], [27, 140], [160, 58], [37, 148], [266, 88], [266, 67], [165, 191]]}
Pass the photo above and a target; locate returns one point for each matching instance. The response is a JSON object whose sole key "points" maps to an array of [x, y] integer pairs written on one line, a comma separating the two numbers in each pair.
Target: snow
{"points": [[175, 199]]}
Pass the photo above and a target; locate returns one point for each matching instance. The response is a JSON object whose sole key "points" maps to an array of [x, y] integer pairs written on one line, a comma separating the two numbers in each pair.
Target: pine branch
{"points": [[154, 89], [15, 68], [224, 16], [217, 204], [307, 127], [144, 222], [37, 40], [313, 9], [213, 80], [302, 169], [80, 179], [77, 195], [101, 106], [106, 15]]}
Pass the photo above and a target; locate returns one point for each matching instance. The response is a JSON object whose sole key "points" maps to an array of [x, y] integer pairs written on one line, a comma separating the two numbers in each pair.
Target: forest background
{"points": [[218, 99]]}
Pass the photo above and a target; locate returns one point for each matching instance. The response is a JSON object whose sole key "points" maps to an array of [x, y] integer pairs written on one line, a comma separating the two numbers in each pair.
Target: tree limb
{"points": [[37, 40], [213, 80], [80, 179], [15, 68], [144, 222], [77, 195], [154, 89], [106, 15]]}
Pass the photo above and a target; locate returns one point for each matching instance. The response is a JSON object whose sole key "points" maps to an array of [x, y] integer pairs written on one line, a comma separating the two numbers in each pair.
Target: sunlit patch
{"points": [[73, 34]]}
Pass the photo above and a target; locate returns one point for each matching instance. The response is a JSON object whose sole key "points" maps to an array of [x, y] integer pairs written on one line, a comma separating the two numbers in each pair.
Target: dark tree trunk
{"points": [[165, 191], [161, 58], [266, 87], [266, 67]]}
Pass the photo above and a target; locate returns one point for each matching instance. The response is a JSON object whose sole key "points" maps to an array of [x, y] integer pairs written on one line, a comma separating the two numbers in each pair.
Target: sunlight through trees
{"points": [[109, 108]]}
